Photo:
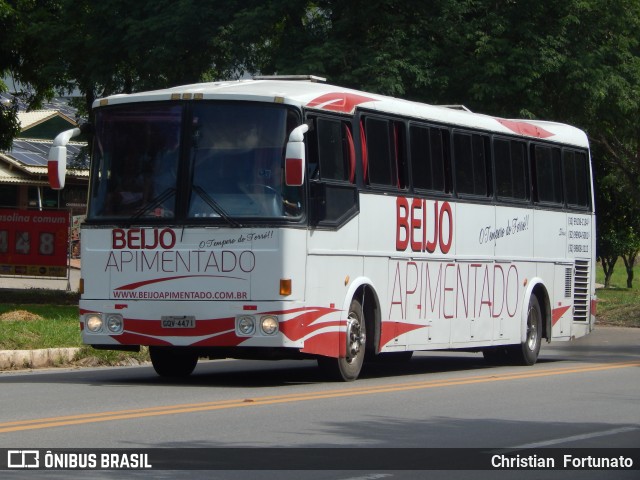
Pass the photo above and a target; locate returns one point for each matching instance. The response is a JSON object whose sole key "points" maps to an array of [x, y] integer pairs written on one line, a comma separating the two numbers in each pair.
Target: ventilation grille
{"points": [[581, 291], [568, 281]]}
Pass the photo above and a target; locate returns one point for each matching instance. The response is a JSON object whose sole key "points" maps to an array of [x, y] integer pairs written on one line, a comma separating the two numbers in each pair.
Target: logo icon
{"points": [[23, 459]]}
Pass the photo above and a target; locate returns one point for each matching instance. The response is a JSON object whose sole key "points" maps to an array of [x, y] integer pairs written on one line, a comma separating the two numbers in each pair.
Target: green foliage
{"points": [[361, 44], [9, 124], [51, 323], [630, 252], [618, 305], [57, 326]]}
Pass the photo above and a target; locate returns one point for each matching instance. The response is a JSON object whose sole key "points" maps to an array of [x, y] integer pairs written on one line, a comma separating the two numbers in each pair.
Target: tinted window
{"points": [[333, 150], [512, 178], [428, 158], [548, 176], [135, 161], [576, 178], [379, 152], [237, 160], [470, 157]]}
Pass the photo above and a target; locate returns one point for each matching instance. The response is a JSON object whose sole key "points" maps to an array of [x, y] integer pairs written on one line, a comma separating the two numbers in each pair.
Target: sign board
{"points": [[34, 243]]}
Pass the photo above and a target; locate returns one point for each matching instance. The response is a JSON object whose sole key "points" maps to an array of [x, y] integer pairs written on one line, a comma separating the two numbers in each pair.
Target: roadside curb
{"points": [[47, 357]]}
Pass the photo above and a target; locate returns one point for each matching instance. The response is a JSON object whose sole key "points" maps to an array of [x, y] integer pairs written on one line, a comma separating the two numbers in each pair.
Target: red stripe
{"points": [[328, 344], [524, 128], [52, 173], [391, 330], [557, 313], [339, 101]]}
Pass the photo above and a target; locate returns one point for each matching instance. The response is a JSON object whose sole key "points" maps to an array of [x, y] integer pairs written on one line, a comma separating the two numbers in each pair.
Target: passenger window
{"points": [[384, 157], [512, 179], [379, 152], [576, 175], [471, 166], [332, 156], [548, 174], [428, 158]]}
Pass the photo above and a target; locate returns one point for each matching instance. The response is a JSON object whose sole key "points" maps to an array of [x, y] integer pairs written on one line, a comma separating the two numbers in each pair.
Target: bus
{"points": [[284, 217]]}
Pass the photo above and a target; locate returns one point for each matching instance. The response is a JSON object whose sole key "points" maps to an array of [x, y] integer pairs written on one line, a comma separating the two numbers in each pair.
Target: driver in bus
{"points": [[231, 164], [162, 184], [264, 183]]}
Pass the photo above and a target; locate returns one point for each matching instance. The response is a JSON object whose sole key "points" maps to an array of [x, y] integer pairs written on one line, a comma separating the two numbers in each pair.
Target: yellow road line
{"points": [[34, 424]]}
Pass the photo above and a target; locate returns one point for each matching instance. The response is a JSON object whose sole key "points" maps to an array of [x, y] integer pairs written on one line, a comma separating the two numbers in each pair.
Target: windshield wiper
{"points": [[215, 206]]}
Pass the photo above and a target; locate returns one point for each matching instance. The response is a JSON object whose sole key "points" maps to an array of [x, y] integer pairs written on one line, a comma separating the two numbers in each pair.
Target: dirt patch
{"points": [[625, 315], [19, 316]]}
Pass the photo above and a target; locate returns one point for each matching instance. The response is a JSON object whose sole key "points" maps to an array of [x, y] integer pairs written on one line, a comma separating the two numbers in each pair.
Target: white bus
{"points": [[289, 218]]}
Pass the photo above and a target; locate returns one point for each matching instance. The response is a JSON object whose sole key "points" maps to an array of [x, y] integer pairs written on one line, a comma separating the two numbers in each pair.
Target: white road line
{"points": [[573, 438], [372, 476]]}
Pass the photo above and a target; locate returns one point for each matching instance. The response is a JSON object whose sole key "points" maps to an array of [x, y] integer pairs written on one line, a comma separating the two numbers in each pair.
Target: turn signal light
{"points": [[285, 286]]}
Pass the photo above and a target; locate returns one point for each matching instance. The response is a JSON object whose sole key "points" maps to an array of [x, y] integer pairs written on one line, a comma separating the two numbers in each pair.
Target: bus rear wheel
{"points": [[348, 368], [527, 352], [172, 362]]}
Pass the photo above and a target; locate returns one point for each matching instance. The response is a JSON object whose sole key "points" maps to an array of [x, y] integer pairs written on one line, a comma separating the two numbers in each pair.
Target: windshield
{"points": [[189, 162]]}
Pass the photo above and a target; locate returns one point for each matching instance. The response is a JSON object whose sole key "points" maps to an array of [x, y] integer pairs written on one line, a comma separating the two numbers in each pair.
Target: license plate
{"points": [[178, 322]]}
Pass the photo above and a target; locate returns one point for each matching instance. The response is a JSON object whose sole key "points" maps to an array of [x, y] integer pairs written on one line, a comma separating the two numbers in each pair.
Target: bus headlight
{"points": [[269, 324], [115, 323], [93, 322], [245, 325]]}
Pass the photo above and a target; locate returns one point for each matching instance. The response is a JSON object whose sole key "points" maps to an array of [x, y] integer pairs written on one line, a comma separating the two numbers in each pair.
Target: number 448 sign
{"points": [[34, 242]]}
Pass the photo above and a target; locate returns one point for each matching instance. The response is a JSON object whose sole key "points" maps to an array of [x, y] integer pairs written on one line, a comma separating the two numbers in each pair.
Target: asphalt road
{"points": [[581, 394]]}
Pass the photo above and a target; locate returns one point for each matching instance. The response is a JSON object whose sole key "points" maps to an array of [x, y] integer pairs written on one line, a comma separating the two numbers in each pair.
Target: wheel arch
{"points": [[363, 289], [537, 288]]}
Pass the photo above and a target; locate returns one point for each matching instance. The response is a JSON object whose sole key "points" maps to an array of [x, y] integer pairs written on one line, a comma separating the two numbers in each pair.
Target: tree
{"points": [[630, 252], [610, 80], [25, 56], [608, 248], [116, 46], [9, 126], [361, 44]]}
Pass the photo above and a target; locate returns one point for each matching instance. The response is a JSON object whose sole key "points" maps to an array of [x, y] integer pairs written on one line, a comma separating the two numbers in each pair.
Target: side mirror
{"points": [[294, 163], [57, 160]]}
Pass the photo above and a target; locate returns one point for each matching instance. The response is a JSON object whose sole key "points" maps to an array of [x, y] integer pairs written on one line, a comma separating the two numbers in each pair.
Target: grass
{"points": [[34, 319], [619, 305], [26, 327]]}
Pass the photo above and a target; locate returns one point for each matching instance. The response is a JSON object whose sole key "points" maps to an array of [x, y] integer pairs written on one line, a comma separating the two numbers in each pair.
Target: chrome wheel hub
{"points": [[356, 337]]}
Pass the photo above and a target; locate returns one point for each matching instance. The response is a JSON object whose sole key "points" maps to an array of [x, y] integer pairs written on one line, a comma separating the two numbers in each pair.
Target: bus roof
{"points": [[326, 97]]}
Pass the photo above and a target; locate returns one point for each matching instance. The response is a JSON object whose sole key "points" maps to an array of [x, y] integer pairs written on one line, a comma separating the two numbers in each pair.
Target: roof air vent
{"points": [[305, 78]]}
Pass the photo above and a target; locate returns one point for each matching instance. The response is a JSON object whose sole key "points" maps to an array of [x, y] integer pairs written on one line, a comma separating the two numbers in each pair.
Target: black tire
{"points": [[347, 369], [527, 352], [173, 362]]}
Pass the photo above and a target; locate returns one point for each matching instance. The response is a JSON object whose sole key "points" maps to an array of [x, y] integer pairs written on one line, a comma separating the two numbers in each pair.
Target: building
{"points": [[23, 169]]}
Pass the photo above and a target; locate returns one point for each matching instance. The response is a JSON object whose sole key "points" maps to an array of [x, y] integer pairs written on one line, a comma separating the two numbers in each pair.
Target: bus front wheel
{"points": [[172, 362], [348, 368]]}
